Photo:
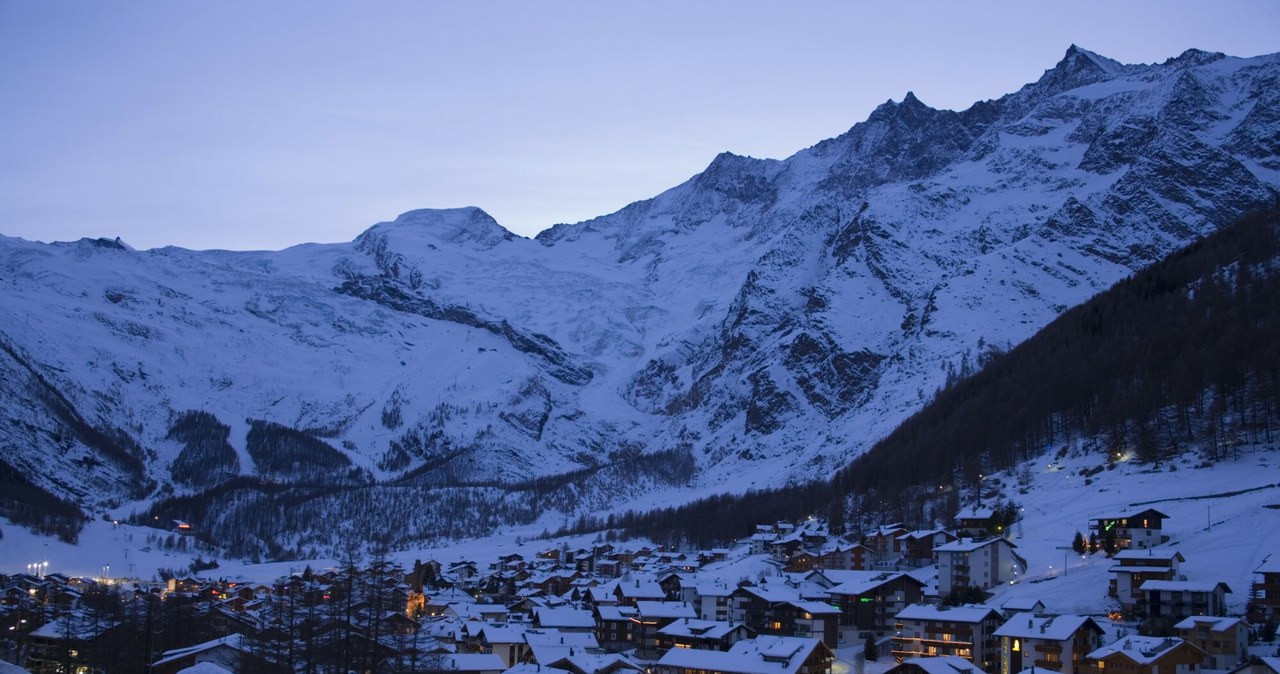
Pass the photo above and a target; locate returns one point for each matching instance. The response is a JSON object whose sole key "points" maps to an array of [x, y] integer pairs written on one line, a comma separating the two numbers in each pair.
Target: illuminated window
{"points": [[1017, 645]]}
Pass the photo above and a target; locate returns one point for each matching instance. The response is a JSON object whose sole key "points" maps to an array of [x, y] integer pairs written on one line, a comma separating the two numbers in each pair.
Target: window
{"points": [[1017, 645]]}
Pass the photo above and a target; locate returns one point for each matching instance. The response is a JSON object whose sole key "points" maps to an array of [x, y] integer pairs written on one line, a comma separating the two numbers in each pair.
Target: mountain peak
{"points": [[1195, 57], [454, 225], [1078, 68]]}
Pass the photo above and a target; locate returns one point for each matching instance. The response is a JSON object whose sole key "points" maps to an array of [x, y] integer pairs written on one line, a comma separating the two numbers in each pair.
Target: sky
{"points": [[247, 124]]}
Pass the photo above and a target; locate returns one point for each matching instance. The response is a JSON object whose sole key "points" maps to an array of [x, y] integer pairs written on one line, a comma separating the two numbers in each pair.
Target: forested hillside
{"points": [[1182, 356]]}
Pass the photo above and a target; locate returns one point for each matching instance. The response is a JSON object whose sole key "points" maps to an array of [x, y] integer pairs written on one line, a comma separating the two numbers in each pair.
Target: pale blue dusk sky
{"points": [[261, 124]]}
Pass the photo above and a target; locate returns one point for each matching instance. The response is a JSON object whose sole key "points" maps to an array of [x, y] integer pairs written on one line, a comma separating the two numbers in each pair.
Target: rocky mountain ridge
{"points": [[763, 322]]}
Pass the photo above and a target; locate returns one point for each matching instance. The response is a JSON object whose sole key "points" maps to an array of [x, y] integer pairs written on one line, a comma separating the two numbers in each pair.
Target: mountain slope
{"points": [[763, 322]]}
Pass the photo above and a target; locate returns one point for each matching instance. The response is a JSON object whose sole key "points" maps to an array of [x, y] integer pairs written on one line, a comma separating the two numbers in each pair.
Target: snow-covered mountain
{"points": [[763, 322]]}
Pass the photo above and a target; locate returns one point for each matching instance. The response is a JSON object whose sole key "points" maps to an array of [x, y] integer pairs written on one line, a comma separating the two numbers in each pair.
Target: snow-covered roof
{"points": [[1272, 663], [702, 629], [503, 634], [233, 642], [1141, 650], [867, 582], [944, 664], [533, 668], [565, 617], [975, 513], [1214, 623], [1168, 554], [1182, 586], [473, 662], [959, 614], [641, 589], [970, 544], [557, 638], [762, 655], [1022, 604], [665, 609], [589, 663], [1054, 628], [1269, 565], [616, 612], [205, 667]]}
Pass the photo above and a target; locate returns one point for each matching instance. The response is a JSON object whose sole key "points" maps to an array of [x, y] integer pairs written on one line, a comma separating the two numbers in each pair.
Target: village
{"points": [[790, 599]]}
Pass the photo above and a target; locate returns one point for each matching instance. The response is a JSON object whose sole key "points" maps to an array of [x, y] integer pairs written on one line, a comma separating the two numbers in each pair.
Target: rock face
{"points": [[763, 322]]}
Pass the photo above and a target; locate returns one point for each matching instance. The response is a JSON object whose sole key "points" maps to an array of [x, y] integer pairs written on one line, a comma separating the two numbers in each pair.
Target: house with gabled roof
{"points": [[651, 617], [710, 598], [869, 601], [702, 634], [564, 618], [226, 652], [1057, 643], [1169, 601], [1132, 568], [918, 545], [1137, 530], [1146, 655], [942, 664], [967, 562], [595, 663], [616, 626], [1265, 602], [631, 591], [975, 522], [922, 630], [885, 543], [1224, 640], [762, 655]]}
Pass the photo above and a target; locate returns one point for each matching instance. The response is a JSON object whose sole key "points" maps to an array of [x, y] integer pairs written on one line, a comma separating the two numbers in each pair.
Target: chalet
{"points": [[762, 655], [1265, 665], [801, 562], [64, 640], [547, 646], [1146, 655], [702, 634], [1055, 643], [616, 626], [565, 619], [1167, 601], [870, 600], [594, 664], [503, 641], [759, 542], [1265, 604], [942, 664], [710, 598], [918, 545], [976, 522], [226, 652], [630, 592], [1135, 567], [782, 548], [651, 617], [843, 556], [471, 663], [783, 610], [1224, 640], [1021, 605], [885, 543], [1134, 531], [967, 562], [964, 631]]}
